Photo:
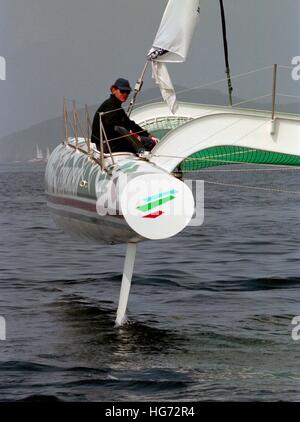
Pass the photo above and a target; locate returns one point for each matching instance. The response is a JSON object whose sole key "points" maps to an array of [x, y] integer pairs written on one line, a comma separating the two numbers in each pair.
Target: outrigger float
{"points": [[119, 198]]}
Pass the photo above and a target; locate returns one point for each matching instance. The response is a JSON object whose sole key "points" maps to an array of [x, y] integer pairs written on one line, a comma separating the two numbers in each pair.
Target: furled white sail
{"points": [[172, 43], [162, 78]]}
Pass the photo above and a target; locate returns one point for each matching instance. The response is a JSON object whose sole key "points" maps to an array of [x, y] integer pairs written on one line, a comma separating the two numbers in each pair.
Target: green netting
{"points": [[159, 133], [162, 125], [224, 155]]}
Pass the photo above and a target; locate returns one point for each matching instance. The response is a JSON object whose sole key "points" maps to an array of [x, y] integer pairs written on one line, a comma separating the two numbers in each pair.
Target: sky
{"points": [[76, 49]]}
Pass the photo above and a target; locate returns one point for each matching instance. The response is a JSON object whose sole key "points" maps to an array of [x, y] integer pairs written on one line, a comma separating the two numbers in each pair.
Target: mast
{"points": [[230, 88], [137, 89]]}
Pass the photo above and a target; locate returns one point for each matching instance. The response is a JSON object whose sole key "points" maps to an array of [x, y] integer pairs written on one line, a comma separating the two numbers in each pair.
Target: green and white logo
{"points": [[154, 203], [157, 206]]}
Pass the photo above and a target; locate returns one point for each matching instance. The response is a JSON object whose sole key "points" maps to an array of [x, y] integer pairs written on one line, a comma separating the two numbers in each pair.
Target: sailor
{"points": [[116, 116]]}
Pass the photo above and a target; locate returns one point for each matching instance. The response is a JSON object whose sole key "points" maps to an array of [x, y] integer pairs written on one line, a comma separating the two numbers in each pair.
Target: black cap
{"points": [[123, 84]]}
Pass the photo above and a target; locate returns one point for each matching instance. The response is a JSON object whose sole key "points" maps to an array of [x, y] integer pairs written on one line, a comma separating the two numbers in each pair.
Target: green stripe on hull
{"points": [[224, 155], [155, 204]]}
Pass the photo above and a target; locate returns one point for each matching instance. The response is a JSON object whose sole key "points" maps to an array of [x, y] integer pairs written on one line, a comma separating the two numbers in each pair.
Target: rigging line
{"points": [[98, 139], [233, 144], [141, 131], [208, 158], [210, 114], [119, 137], [252, 187], [250, 133], [95, 137], [203, 159], [124, 136], [242, 170], [239, 75], [285, 66], [217, 132], [196, 87], [251, 99], [220, 155], [287, 95]]}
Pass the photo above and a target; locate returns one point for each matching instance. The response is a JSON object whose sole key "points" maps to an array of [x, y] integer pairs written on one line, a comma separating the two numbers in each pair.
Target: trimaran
{"points": [[127, 198]]}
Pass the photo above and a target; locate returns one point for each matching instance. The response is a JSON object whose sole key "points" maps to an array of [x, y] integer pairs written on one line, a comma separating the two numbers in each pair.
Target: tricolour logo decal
{"points": [[156, 201], [156, 205]]}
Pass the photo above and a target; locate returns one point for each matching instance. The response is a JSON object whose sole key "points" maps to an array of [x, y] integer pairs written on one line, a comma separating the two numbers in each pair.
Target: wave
{"points": [[257, 284]]}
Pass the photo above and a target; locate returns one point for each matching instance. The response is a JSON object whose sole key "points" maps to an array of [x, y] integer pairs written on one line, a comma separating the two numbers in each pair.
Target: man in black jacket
{"points": [[116, 116]]}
